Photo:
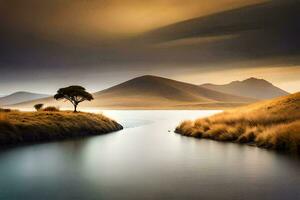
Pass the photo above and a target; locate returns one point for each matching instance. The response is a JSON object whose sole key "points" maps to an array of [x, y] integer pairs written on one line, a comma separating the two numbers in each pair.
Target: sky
{"points": [[50, 44]]}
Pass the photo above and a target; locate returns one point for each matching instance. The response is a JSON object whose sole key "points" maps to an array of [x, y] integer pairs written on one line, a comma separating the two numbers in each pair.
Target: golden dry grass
{"points": [[273, 124], [19, 127]]}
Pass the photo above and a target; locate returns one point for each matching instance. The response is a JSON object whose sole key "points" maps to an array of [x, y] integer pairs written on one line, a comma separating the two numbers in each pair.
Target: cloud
{"points": [[95, 19], [53, 39]]}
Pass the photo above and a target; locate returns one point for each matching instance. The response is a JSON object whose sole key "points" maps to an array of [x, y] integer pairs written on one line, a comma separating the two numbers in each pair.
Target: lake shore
{"points": [[157, 106], [30, 127], [272, 124]]}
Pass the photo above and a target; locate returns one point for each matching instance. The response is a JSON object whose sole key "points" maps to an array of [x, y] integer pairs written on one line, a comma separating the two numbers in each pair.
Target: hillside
{"points": [[152, 92], [19, 97], [273, 124], [252, 87]]}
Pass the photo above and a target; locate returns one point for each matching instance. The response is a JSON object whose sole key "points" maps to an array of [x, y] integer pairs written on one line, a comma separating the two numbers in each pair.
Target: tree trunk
{"points": [[75, 108]]}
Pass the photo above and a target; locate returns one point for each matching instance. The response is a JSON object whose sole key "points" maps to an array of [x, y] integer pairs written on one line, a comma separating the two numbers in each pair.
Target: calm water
{"points": [[146, 161]]}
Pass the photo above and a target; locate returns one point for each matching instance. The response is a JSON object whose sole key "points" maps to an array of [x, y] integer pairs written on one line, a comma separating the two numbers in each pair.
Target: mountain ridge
{"points": [[19, 97], [149, 91], [251, 87]]}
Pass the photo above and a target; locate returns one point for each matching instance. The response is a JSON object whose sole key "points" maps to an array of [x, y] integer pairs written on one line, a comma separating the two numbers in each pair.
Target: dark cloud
{"points": [[41, 40]]}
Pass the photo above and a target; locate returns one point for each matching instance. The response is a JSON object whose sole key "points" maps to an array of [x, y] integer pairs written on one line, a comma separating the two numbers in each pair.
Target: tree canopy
{"points": [[75, 94], [38, 106]]}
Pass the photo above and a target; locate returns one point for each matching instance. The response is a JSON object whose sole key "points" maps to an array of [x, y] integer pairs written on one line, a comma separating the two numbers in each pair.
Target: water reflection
{"points": [[145, 161]]}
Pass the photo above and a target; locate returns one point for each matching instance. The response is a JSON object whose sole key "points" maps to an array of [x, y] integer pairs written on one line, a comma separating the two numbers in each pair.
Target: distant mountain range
{"points": [[19, 97], [252, 88], [153, 92]]}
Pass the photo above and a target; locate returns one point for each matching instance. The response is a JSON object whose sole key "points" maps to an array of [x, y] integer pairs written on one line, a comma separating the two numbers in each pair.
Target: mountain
{"points": [[152, 92], [252, 87], [19, 97], [162, 90]]}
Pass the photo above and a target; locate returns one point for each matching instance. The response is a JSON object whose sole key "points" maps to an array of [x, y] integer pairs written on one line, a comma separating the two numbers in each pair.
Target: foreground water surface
{"points": [[147, 160]]}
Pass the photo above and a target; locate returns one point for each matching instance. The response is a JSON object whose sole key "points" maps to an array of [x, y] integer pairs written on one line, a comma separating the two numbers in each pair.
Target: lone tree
{"points": [[75, 94], [38, 106]]}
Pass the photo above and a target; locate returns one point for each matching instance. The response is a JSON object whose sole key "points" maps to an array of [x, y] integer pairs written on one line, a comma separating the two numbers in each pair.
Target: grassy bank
{"points": [[25, 127], [273, 124]]}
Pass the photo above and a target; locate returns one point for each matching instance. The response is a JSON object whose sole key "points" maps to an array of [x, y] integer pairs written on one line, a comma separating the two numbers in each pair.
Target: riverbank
{"points": [[272, 124], [28, 127]]}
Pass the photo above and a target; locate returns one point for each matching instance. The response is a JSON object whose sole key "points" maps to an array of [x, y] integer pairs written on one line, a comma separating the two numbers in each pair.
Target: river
{"points": [[147, 160]]}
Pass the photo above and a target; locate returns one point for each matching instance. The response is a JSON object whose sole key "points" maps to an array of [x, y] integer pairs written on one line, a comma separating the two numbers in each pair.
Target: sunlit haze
{"points": [[101, 43]]}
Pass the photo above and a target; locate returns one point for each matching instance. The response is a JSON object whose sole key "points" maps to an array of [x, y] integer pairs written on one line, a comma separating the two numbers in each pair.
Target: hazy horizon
{"points": [[188, 79]]}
